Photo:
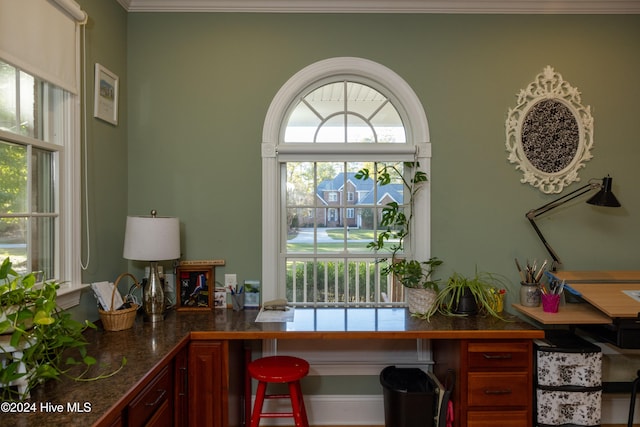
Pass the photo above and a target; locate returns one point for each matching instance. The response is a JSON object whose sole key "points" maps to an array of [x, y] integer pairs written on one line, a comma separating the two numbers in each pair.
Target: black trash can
{"points": [[410, 397]]}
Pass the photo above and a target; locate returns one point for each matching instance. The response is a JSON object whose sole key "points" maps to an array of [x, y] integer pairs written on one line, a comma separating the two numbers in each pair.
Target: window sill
{"points": [[69, 296]]}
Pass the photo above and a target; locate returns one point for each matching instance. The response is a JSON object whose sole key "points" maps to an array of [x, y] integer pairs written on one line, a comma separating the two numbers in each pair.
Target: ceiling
{"points": [[389, 6]]}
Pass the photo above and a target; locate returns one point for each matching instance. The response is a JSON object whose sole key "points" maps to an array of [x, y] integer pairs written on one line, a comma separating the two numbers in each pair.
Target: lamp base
{"points": [[153, 296]]}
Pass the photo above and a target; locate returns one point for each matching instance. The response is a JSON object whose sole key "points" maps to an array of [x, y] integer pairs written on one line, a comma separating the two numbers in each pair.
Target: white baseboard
{"points": [[369, 410], [334, 410]]}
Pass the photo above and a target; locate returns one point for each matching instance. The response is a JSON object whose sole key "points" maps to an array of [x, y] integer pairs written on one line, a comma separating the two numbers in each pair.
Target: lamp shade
{"points": [[152, 238], [605, 196]]}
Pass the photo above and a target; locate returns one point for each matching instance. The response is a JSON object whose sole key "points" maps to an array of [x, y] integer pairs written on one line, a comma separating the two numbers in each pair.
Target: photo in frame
{"points": [[195, 285], [105, 106]]}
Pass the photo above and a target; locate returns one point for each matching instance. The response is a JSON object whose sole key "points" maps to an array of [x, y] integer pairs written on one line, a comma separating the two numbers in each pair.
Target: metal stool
{"points": [[279, 369], [634, 389]]}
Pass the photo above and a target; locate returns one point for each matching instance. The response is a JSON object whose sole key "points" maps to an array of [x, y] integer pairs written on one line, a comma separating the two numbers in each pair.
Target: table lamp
{"points": [[604, 197], [152, 238]]}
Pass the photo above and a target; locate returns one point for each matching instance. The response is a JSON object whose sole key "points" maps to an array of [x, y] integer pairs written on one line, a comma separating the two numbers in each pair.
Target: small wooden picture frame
{"points": [[195, 285]]}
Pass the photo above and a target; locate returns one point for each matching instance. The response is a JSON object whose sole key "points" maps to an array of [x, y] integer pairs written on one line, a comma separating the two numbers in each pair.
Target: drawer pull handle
{"points": [[495, 392], [160, 397], [497, 356]]}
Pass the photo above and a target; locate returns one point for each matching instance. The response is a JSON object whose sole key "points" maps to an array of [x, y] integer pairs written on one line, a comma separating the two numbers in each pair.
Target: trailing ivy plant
{"points": [[395, 226], [52, 342]]}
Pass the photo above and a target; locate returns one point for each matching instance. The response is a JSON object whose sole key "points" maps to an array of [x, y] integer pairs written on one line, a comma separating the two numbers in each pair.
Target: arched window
{"points": [[328, 121]]}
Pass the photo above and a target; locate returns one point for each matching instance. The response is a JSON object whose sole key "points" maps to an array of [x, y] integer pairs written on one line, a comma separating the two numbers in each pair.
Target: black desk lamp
{"points": [[604, 197]]}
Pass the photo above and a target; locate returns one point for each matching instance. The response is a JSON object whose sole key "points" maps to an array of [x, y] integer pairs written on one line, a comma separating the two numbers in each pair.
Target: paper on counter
{"points": [[275, 315], [104, 291], [633, 294]]}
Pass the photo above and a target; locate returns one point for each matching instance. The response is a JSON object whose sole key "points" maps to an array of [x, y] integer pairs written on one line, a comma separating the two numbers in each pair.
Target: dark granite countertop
{"points": [[148, 346]]}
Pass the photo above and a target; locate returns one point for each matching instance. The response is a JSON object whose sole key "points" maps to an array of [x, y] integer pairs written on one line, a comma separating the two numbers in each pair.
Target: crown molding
{"points": [[389, 6]]}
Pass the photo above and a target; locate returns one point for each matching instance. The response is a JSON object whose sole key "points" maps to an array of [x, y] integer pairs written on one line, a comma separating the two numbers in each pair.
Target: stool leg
{"points": [[634, 389], [297, 404], [257, 406]]}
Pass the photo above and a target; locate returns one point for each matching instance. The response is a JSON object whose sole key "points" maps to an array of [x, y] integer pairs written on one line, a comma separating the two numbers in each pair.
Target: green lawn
{"points": [[355, 234]]}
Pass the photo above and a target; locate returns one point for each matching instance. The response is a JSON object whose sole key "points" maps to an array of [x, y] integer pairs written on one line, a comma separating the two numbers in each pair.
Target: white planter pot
{"points": [[420, 300]]}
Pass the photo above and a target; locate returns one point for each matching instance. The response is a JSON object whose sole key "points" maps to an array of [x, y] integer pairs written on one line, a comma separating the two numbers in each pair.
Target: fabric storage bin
{"points": [[568, 408], [575, 369], [568, 381]]}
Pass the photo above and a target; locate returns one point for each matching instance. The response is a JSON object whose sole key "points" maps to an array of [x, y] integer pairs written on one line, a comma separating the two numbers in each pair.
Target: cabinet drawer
{"points": [[498, 389], [499, 354], [152, 397], [498, 419]]}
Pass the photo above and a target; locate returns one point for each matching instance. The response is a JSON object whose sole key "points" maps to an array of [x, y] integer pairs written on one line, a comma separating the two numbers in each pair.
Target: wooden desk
{"points": [[604, 290], [607, 312], [610, 298], [212, 341]]}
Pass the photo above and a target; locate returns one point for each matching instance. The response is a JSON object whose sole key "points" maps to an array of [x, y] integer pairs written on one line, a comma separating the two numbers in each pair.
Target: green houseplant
{"points": [[395, 225], [481, 293], [49, 342]]}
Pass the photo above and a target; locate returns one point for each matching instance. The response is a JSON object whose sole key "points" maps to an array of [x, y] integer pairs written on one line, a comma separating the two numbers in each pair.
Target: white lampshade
{"points": [[152, 238]]}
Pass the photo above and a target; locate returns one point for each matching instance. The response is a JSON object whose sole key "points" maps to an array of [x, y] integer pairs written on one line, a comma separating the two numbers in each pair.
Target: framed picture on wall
{"points": [[105, 105], [195, 285]]}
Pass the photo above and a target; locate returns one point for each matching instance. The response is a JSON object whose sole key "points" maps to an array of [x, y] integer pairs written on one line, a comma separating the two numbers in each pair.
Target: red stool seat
{"points": [[279, 369]]}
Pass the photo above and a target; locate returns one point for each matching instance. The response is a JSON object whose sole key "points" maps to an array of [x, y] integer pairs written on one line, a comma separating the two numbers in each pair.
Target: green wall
{"points": [[200, 85], [106, 154], [195, 88]]}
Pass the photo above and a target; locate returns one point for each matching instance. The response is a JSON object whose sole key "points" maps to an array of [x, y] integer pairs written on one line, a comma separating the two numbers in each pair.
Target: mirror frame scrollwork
{"points": [[549, 133]]}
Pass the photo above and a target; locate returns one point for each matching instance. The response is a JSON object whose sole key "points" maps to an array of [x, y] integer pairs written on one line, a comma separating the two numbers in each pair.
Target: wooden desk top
{"points": [[598, 276], [604, 290], [356, 323], [568, 314], [610, 298]]}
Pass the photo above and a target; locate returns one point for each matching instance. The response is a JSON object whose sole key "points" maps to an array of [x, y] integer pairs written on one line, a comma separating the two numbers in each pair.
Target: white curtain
{"points": [[43, 38]]}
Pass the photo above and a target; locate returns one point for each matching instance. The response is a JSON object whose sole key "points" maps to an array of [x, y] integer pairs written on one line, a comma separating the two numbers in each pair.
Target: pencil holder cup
{"points": [[237, 301], [529, 294], [550, 303]]}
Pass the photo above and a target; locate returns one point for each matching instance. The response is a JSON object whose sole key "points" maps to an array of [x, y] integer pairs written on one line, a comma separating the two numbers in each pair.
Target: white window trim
{"points": [[417, 132], [71, 219]]}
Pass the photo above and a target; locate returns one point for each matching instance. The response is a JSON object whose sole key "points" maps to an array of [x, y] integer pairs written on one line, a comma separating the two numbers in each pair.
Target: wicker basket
{"points": [[119, 320], [420, 300]]}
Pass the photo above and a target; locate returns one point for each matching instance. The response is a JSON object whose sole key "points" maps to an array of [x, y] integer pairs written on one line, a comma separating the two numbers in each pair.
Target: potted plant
{"points": [[395, 225], [34, 334], [464, 296]]}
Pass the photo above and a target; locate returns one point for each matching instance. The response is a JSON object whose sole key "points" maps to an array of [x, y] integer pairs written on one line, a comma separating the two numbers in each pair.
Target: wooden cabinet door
{"points": [[208, 394], [181, 392]]}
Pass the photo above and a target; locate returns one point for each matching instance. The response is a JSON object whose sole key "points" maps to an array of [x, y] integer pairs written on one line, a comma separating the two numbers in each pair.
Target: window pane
{"points": [[302, 124], [42, 181], [359, 130], [42, 241], [332, 130], [8, 98], [13, 242], [27, 105], [343, 112], [388, 125], [13, 178]]}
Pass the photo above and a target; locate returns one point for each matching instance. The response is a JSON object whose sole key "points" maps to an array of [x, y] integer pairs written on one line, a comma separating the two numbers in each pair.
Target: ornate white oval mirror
{"points": [[549, 133]]}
